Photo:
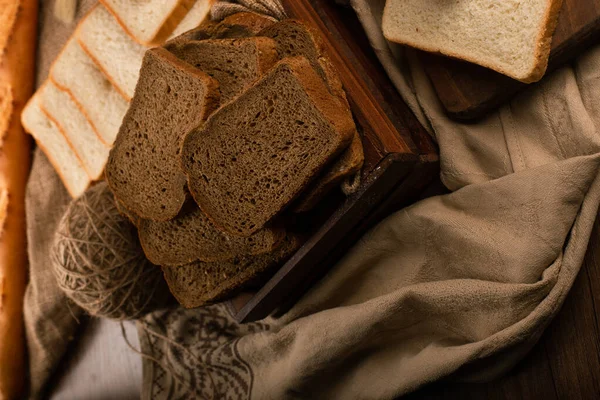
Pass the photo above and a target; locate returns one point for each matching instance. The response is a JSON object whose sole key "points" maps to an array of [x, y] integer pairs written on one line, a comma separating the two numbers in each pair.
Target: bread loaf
{"points": [[18, 27], [259, 152]]}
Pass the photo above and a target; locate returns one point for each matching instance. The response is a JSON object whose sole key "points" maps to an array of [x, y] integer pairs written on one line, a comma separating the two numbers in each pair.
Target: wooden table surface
{"points": [[565, 364]]}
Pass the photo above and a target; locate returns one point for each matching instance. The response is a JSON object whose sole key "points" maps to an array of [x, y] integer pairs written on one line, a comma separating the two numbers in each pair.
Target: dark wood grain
{"points": [[400, 160], [469, 91], [565, 363]]}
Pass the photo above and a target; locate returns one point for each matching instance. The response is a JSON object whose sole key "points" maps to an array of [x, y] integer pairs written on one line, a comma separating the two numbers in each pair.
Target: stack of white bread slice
{"points": [[76, 113]]}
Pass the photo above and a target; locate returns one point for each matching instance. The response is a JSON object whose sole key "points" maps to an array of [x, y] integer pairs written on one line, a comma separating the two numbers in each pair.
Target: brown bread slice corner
{"points": [[201, 32], [171, 98], [192, 237], [200, 283], [348, 164], [134, 219], [256, 154], [295, 38], [243, 24], [234, 63], [240, 25]]}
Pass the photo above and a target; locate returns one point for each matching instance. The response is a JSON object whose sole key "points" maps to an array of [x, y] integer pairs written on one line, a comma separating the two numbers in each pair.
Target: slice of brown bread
{"points": [[240, 25], [295, 38], [201, 32], [234, 63], [134, 219], [200, 283], [256, 154], [171, 98], [191, 236], [348, 164]]}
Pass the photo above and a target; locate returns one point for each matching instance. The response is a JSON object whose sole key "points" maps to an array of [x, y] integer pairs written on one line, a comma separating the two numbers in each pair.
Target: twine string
{"points": [[99, 263]]}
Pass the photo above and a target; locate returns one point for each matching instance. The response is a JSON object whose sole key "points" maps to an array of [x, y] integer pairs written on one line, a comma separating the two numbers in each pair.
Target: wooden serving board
{"points": [[469, 91], [400, 160]]}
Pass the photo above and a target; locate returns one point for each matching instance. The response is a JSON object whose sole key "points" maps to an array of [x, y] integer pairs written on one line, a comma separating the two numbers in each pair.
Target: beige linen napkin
{"points": [[457, 286]]}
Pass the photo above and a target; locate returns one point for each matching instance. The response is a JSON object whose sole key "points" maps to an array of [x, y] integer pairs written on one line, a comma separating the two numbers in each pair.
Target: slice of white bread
{"points": [[150, 22], [512, 37], [112, 49], [194, 17], [55, 146], [103, 106], [60, 108]]}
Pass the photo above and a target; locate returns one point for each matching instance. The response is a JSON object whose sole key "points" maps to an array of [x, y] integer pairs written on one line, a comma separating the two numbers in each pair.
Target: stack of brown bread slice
{"points": [[232, 125]]}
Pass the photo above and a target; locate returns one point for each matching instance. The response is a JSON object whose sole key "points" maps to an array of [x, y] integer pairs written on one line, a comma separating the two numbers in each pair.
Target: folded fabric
{"points": [[474, 276]]}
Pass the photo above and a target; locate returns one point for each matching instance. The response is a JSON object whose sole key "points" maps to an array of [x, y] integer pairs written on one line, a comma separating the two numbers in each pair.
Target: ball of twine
{"points": [[98, 261]]}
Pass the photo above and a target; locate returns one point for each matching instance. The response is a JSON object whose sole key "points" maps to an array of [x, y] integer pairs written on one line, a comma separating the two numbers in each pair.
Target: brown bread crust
{"points": [[192, 237], [199, 283], [326, 132], [234, 63], [309, 43]]}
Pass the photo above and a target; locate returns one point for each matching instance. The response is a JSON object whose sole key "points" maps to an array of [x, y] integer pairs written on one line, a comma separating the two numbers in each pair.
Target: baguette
{"points": [[17, 63]]}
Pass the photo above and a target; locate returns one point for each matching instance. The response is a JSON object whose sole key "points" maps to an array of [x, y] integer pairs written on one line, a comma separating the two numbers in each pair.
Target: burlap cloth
{"points": [[459, 286]]}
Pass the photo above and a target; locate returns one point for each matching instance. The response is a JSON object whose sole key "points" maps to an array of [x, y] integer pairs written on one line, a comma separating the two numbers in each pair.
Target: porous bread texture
{"points": [[62, 110], [193, 18], [134, 219], [240, 25], [512, 37], [95, 96], [112, 49], [200, 283], [257, 153], [295, 38], [191, 236], [55, 146], [171, 98], [234, 63], [349, 163], [150, 22]]}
